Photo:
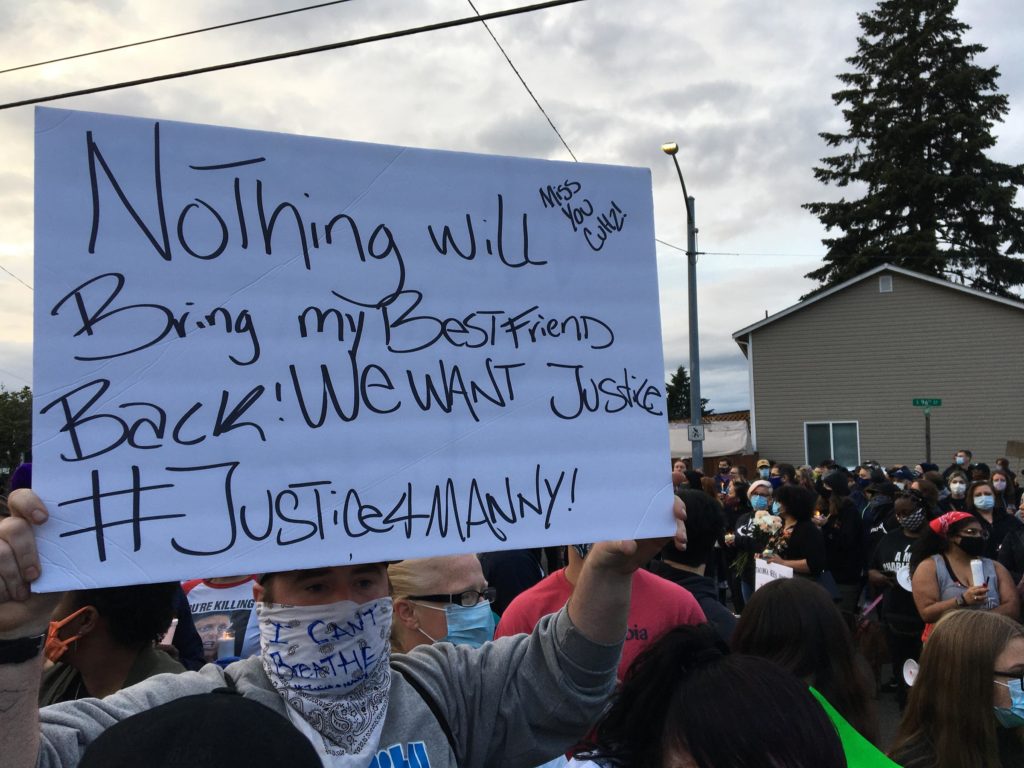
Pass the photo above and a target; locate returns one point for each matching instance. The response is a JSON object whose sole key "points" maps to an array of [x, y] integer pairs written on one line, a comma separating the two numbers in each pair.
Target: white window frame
{"points": [[831, 442]]}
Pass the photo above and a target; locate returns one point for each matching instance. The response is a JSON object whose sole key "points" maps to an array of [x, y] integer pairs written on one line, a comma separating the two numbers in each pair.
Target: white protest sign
{"points": [[765, 572], [256, 351]]}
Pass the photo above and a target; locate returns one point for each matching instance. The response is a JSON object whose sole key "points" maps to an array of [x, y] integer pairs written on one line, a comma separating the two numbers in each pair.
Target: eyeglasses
{"points": [[1009, 676], [974, 533], [466, 599]]}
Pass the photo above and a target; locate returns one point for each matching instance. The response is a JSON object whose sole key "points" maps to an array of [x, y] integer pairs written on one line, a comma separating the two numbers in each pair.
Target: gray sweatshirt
{"points": [[518, 701]]}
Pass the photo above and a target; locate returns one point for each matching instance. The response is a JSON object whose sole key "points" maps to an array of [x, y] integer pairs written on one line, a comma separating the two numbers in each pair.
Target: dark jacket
{"points": [[706, 592]]}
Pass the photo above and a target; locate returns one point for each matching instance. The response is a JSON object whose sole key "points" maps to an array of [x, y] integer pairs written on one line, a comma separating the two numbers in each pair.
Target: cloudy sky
{"points": [[743, 86]]}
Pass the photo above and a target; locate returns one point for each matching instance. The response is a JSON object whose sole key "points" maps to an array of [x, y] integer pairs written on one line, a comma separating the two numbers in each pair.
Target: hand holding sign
{"points": [[22, 613]]}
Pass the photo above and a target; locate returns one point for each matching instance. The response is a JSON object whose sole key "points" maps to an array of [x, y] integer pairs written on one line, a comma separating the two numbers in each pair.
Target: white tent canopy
{"points": [[721, 438]]}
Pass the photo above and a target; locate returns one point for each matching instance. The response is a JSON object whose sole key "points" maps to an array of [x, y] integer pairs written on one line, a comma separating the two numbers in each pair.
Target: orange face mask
{"points": [[56, 647]]}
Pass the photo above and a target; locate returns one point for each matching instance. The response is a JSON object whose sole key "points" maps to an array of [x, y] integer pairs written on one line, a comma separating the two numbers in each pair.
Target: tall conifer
{"points": [[919, 114]]}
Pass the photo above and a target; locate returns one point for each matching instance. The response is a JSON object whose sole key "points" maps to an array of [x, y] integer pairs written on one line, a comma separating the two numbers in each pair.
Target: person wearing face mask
{"points": [[801, 545], [966, 708], [440, 599], [941, 575], [325, 664], [1003, 464], [962, 462], [704, 529], [759, 498], [764, 469], [878, 514], [103, 640], [928, 489], [889, 575], [842, 530], [656, 606], [724, 476], [956, 501], [1005, 492], [997, 524]]}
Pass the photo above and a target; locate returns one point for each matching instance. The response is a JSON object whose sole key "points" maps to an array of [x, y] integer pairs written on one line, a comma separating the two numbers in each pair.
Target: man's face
{"points": [[210, 628], [962, 458], [320, 586]]}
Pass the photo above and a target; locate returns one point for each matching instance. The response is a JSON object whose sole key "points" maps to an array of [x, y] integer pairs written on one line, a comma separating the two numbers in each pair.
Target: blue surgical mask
{"points": [[764, 472], [984, 502], [776, 508], [960, 460], [759, 502], [1013, 715], [471, 626]]}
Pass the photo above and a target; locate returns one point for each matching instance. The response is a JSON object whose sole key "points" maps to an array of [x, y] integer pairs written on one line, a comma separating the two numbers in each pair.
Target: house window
{"points": [[839, 440]]}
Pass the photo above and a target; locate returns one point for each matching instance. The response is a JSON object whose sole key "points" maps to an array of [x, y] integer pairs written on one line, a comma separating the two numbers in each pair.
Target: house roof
{"points": [[739, 336]]}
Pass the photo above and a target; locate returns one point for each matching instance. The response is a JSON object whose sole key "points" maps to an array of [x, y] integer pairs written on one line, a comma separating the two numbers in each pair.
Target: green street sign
{"points": [[927, 402]]}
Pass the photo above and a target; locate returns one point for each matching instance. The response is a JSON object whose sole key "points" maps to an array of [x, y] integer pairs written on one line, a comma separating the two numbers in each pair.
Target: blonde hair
{"points": [[423, 576], [950, 704], [416, 577]]}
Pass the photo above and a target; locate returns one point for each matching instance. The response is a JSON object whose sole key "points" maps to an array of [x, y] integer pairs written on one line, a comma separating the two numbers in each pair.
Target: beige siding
{"points": [[861, 355]]}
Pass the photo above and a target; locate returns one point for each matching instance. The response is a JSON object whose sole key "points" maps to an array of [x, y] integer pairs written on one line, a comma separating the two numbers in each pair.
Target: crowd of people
{"points": [[611, 654]]}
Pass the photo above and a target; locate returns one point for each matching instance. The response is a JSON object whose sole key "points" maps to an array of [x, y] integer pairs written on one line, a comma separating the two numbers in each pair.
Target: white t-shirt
{"points": [[220, 608]]}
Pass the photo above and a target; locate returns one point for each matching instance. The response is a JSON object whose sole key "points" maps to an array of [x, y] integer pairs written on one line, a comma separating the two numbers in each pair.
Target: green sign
{"points": [[927, 402]]}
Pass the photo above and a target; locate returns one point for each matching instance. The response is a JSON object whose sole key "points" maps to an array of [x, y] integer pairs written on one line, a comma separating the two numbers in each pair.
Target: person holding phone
{"points": [[941, 571]]}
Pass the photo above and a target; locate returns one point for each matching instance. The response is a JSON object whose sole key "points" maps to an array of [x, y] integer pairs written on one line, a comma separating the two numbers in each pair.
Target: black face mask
{"points": [[973, 546]]}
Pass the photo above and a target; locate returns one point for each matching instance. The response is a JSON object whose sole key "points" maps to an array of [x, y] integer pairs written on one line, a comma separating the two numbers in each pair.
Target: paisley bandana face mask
{"points": [[330, 663]]}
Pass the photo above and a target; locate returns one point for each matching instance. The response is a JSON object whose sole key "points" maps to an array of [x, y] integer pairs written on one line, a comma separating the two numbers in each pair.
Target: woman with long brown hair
{"points": [[966, 707], [794, 623]]}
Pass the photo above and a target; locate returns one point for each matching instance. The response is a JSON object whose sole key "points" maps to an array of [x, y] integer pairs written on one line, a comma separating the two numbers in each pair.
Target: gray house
{"points": [[836, 375]]}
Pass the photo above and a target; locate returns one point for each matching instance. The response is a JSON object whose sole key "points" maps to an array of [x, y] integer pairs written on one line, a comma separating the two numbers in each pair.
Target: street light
{"points": [[697, 444]]}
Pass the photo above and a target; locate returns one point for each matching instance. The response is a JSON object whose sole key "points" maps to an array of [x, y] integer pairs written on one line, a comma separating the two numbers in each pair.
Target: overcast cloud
{"points": [[743, 86]]}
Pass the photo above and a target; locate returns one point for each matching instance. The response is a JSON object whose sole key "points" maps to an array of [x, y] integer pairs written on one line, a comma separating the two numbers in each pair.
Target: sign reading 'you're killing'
{"points": [[256, 351]]}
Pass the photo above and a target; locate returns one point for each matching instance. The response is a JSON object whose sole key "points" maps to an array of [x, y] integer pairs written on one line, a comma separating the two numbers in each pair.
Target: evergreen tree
{"points": [[677, 396], [919, 115], [15, 427]]}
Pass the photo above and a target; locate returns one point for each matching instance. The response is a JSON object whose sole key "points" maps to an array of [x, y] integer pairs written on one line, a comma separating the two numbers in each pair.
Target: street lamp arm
{"points": [[682, 183], [691, 280]]}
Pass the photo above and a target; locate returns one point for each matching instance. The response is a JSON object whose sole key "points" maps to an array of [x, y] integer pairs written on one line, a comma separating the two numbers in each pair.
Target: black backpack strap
{"points": [[433, 705], [230, 686]]}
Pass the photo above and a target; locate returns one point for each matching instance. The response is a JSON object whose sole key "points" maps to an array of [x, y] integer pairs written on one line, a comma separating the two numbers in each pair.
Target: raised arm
{"points": [[23, 617], [599, 605]]}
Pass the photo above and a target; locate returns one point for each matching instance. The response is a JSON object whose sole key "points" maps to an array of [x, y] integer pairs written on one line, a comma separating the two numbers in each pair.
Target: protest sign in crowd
{"points": [[313, 424]]}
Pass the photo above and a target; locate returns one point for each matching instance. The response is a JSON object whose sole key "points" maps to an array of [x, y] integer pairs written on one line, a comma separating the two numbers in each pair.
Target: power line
{"points": [[171, 37], [2, 267], [302, 52], [12, 373], [521, 80], [747, 253]]}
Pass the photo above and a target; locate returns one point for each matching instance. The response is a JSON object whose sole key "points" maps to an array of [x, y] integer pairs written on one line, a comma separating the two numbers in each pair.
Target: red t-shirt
{"points": [[656, 605]]}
